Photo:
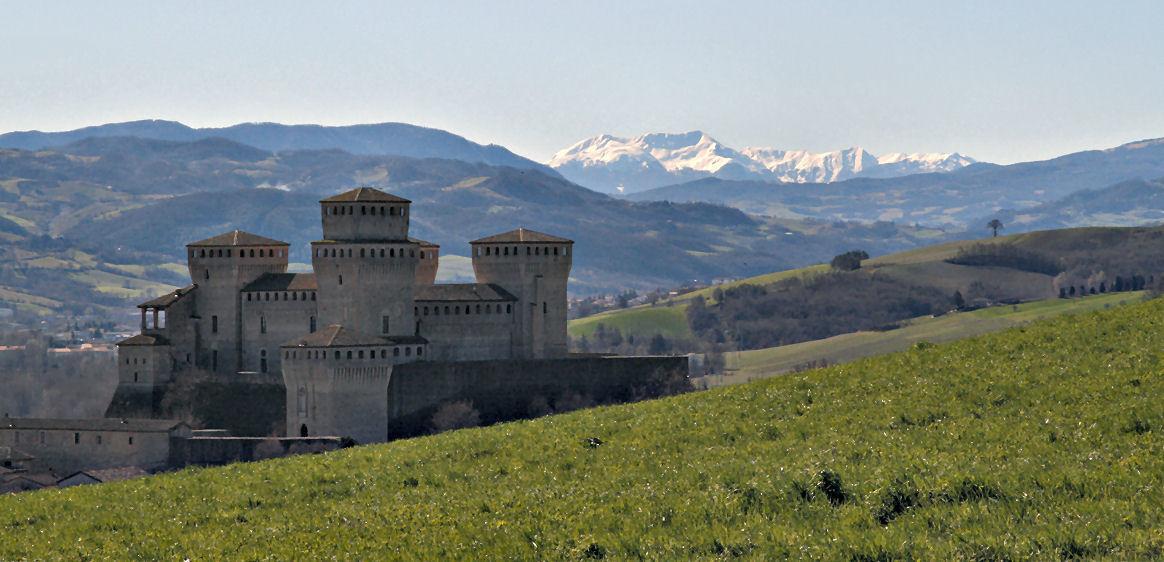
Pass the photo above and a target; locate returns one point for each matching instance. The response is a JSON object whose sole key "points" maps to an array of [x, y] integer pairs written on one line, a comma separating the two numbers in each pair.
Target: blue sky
{"points": [[1000, 81]]}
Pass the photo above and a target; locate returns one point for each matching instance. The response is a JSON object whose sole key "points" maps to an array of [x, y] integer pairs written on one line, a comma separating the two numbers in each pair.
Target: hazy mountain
{"points": [[608, 163], [383, 138], [956, 199], [133, 200], [1128, 203]]}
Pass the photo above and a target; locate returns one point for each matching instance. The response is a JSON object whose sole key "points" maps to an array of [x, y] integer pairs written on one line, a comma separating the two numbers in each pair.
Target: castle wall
{"points": [[270, 319], [144, 366], [466, 331], [339, 391], [426, 270], [537, 275], [361, 284], [351, 221], [221, 273], [506, 390], [64, 451]]}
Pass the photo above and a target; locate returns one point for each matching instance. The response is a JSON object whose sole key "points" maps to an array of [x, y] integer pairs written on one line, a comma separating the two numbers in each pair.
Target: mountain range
{"points": [[627, 165], [400, 139], [958, 199]]}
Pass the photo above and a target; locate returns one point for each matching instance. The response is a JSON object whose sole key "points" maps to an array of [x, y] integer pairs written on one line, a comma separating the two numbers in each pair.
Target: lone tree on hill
{"points": [[849, 261], [994, 225]]}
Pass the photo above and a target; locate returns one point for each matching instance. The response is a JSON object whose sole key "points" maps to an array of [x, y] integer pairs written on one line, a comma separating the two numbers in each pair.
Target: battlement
{"points": [[365, 214]]}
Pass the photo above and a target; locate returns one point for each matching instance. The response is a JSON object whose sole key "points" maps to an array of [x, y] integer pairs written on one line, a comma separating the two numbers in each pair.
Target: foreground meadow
{"points": [[1038, 442]]}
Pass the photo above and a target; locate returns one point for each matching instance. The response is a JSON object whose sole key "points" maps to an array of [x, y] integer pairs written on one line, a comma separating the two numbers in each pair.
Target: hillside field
{"points": [[754, 364], [1037, 442]]}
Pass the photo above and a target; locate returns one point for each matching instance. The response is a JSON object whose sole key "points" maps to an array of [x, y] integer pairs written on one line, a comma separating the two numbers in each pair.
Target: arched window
{"points": [[426, 311], [202, 253], [362, 253], [507, 250], [498, 309], [396, 352], [456, 310], [303, 430], [337, 354], [436, 311], [555, 250], [263, 327], [363, 210], [408, 352], [412, 253], [527, 251], [207, 274], [419, 351], [488, 250], [381, 252], [360, 355], [228, 252], [446, 311], [545, 308], [509, 309], [263, 361], [392, 253], [349, 354], [478, 309], [537, 251]]}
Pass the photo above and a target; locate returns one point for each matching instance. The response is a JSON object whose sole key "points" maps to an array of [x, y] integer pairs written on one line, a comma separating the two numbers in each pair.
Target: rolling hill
{"points": [[400, 139], [1040, 442], [978, 269], [133, 201]]}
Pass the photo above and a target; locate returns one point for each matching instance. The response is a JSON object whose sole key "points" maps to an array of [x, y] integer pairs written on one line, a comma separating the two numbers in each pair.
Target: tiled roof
{"points": [[238, 238], [336, 335], [144, 339], [465, 292], [111, 474], [283, 282], [423, 243], [169, 298], [365, 195], [522, 235], [91, 424]]}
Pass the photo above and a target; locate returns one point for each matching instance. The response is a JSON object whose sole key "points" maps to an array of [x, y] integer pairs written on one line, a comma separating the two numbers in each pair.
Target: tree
{"points": [[994, 225], [849, 261], [455, 415]]}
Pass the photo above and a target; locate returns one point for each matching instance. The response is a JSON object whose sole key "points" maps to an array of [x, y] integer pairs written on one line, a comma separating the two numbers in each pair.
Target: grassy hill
{"points": [[746, 366], [1038, 442], [1114, 250]]}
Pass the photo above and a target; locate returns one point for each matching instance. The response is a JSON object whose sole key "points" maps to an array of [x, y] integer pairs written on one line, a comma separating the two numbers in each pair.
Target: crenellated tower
{"points": [[366, 265], [534, 267], [220, 267]]}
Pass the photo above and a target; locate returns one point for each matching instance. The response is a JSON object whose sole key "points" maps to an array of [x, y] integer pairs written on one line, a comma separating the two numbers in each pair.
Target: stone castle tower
{"points": [[332, 337]]}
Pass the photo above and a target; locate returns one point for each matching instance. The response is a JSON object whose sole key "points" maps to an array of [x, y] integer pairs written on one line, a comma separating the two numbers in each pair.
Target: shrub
{"points": [[455, 415], [900, 495], [831, 486]]}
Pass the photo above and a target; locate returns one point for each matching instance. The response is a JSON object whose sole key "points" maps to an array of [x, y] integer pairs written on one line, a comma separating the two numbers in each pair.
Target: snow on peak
{"points": [[611, 163]]}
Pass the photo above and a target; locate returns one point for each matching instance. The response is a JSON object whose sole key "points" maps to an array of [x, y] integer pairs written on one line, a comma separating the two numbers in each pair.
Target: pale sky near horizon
{"points": [[999, 81]]}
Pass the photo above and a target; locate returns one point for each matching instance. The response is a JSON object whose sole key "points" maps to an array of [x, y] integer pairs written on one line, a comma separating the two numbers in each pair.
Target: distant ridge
{"points": [[399, 139]]}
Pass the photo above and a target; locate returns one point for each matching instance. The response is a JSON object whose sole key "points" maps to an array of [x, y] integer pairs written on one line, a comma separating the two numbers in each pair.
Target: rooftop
{"points": [[522, 235], [462, 292], [169, 298], [423, 243], [283, 282], [336, 335], [365, 195], [111, 474], [92, 424], [238, 238], [144, 339]]}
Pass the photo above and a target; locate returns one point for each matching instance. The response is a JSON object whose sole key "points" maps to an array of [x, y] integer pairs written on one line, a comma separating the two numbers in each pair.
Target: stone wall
{"points": [[268, 323], [66, 451], [507, 390], [482, 334]]}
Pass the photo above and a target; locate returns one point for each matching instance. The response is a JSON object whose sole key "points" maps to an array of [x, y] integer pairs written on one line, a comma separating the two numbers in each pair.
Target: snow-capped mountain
{"points": [[614, 164]]}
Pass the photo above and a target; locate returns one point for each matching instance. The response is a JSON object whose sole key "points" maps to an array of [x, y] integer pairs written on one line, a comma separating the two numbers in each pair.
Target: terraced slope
{"points": [[1038, 442]]}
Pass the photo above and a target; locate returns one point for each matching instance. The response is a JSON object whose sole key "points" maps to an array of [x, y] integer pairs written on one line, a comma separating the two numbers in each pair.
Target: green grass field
{"points": [[750, 365], [641, 321], [1040, 442]]}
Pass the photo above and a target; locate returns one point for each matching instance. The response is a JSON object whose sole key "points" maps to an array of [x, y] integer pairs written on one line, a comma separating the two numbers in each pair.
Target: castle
{"points": [[370, 305]]}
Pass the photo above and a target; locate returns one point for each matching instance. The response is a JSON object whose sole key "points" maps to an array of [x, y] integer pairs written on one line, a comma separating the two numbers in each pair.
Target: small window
{"points": [[509, 309], [478, 309], [131, 440], [263, 361], [507, 250], [408, 352], [214, 324], [426, 311], [341, 279], [98, 439], [349, 354], [361, 354], [555, 250], [396, 352], [206, 274], [214, 360], [42, 438], [384, 324], [262, 324], [76, 438], [545, 308], [419, 351], [337, 354], [446, 311], [311, 325]]}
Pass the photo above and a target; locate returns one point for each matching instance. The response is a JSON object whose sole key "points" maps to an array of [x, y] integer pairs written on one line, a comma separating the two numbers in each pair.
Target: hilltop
{"points": [[1038, 442]]}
